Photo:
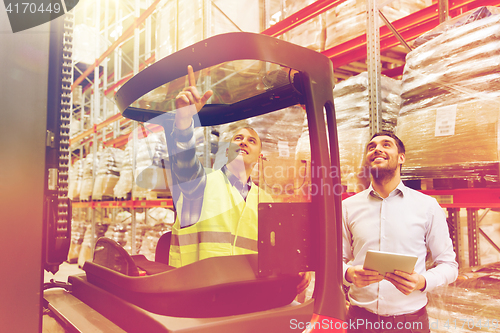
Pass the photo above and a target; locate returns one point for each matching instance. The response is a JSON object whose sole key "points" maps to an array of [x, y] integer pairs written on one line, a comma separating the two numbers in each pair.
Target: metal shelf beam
{"points": [[410, 27], [165, 203], [303, 15], [478, 198]]}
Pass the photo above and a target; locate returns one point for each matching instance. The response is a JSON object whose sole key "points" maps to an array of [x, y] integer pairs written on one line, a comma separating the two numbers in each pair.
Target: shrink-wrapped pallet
{"points": [[279, 132], [352, 111], [470, 304], [150, 239], [303, 165], [199, 133], [108, 173], [118, 232], [123, 187], [159, 221], [310, 34], [84, 47], [451, 100], [75, 180], [152, 169], [86, 251], [119, 228], [78, 229], [183, 23], [175, 34], [140, 228], [349, 18], [87, 178], [456, 141]]}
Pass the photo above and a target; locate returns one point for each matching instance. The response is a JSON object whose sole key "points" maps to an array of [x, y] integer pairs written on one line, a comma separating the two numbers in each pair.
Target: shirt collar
{"points": [[400, 189], [235, 180]]}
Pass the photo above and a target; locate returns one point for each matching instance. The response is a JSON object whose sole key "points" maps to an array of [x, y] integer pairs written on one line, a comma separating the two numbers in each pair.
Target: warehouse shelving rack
{"points": [[473, 200], [140, 17], [166, 203]]}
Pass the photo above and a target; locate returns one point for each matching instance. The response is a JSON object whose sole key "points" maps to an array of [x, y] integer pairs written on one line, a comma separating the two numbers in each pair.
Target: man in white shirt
{"points": [[390, 217]]}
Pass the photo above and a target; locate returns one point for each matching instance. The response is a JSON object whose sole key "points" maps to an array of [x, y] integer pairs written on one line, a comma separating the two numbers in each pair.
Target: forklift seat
{"points": [[212, 287], [110, 254]]}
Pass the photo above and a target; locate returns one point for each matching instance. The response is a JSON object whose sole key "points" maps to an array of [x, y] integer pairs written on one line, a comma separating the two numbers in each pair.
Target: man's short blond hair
{"points": [[251, 130]]}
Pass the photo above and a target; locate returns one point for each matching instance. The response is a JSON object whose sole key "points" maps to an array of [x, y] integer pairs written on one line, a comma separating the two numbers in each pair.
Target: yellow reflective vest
{"points": [[227, 224]]}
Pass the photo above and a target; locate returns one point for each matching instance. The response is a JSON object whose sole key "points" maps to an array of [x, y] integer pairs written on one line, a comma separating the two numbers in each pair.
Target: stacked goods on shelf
{"points": [[78, 229], [199, 134], [228, 16], [469, 304], [310, 34], [139, 233], [279, 132], [237, 80], [87, 177], [108, 173], [118, 228], [348, 19], [152, 168], [352, 110], [175, 32], [75, 123], [75, 180], [86, 251], [159, 221], [166, 31], [451, 100], [123, 187], [303, 165], [475, 294]]}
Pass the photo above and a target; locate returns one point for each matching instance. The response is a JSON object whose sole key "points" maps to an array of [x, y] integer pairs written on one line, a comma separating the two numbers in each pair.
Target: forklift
{"points": [[243, 293]]}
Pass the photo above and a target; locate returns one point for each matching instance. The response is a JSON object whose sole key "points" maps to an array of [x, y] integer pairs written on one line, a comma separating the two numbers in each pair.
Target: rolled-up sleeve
{"points": [[186, 167], [347, 254], [441, 249]]}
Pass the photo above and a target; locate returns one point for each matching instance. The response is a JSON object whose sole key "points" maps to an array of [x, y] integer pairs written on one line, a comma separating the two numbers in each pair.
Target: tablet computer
{"points": [[387, 262]]}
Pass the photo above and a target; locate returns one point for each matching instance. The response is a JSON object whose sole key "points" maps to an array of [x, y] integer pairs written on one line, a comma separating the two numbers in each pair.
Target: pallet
{"points": [[104, 198], [473, 175], [128, 198], [449, 183], [159, 194]]}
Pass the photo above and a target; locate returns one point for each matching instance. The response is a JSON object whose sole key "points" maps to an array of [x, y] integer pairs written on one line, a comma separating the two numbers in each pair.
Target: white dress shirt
{"points": [[406, 222]]}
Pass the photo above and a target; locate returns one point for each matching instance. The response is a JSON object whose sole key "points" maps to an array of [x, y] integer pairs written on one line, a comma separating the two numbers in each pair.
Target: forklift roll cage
{"points": [[320, 219]]}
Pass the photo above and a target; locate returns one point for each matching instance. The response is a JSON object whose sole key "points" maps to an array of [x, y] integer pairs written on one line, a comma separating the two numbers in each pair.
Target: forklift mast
{"points": [[36, 212]]}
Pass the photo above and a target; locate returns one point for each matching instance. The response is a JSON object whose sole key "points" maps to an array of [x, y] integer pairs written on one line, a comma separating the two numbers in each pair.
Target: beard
{"points": [[384, 173]]}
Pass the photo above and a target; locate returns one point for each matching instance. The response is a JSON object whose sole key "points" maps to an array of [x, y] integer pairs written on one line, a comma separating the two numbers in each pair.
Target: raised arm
{"points": [[186, 168], [188, 102]]}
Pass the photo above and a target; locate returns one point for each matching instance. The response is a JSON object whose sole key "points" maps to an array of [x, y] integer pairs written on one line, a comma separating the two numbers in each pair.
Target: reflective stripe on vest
{"points": [[227, 224], [214, 237]]}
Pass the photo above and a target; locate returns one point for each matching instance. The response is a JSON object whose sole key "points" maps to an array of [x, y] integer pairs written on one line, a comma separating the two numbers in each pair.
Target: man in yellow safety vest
{"points": [[217, 210]]}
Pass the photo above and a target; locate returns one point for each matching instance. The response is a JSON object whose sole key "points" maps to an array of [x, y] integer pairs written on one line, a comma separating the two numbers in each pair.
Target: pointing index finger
{"points": [[191, 78]]}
